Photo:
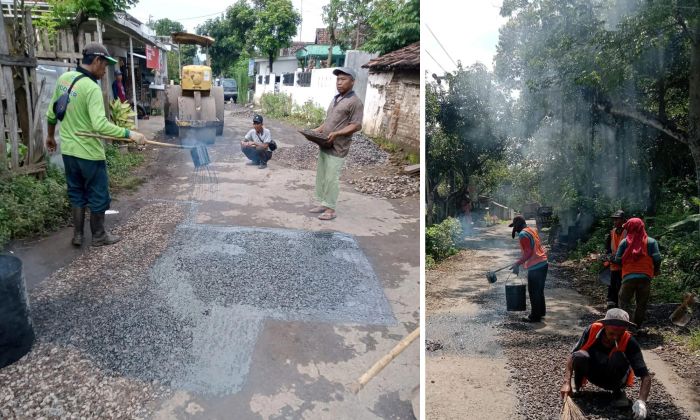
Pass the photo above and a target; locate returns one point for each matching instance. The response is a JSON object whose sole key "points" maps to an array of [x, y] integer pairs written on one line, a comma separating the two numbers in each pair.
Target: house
{"points": [[392, 101]]}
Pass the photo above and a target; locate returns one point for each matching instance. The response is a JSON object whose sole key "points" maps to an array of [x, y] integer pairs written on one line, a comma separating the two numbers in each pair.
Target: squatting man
{"points": [[608, 356]]}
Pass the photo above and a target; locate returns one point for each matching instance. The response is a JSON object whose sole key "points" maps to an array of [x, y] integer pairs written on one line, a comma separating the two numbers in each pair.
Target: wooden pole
{"points": [[37, 152], [384, 361], [133, 83]]}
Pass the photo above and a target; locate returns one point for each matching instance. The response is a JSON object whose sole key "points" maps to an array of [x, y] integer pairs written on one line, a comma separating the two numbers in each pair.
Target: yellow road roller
{"points": [[194, 110]]}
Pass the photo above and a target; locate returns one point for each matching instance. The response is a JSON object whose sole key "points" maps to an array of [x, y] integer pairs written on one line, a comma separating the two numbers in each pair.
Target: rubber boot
{"points": [[99, 235], [78, 225]]}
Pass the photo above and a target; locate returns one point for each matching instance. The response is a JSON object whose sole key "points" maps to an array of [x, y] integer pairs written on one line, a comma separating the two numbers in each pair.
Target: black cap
{"points": [[257, 119], [99, 50], [518, 221], [618, 215]]}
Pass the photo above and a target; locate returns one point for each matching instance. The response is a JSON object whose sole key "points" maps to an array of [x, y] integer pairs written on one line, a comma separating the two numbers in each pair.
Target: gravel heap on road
{"points": [[92, 319], [364, 152], [396, 186], [241, 111]]}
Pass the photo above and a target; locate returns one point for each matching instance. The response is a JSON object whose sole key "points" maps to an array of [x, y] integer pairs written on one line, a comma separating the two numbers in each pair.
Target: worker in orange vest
{"points": [[534, 258], [640, 258], [609, 357], [612, 243]]}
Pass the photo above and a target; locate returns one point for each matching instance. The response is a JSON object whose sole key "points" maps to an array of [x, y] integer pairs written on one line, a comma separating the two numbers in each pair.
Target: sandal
{"points": [[319, 209], [327, 216]]}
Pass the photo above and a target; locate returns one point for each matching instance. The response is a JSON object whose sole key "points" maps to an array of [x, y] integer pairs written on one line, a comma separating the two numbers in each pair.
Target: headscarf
{"points": [[636, 238]]}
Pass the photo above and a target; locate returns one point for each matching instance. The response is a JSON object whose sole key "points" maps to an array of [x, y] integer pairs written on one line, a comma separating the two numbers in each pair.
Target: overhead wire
{"points": [[436, 62], [440, 44]]}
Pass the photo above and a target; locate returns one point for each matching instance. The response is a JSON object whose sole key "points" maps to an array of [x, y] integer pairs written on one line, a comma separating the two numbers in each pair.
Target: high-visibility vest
{"points": [[644, 265], [538, 253], [615, 240], [596, 327]]}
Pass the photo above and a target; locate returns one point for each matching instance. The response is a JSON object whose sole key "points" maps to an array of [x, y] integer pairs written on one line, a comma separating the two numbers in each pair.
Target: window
{"points": [[288, 79], [304, 79]]}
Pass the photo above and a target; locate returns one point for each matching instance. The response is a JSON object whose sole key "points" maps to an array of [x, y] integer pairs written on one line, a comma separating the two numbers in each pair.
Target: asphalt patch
{"points": [[283, 274]]}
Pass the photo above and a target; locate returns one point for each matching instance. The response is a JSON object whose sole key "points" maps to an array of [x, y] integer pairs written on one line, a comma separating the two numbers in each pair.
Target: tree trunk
{"points": [[330, 55], [694, 103], [272, 58]]}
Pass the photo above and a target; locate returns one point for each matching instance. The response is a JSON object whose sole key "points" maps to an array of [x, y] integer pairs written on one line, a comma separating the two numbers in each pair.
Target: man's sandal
{"points": [[327, 216], [319, 209]]}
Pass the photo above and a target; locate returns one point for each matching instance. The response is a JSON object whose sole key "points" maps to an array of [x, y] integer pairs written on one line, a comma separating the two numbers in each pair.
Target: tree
{"points": [[466, 126], [394, 24], [232, 33], [73, 13], [275, 27], [331, 17], [355, 28], [165, 27]]}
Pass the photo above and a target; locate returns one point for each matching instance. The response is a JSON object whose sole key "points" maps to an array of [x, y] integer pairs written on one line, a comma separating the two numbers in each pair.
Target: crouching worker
{"points": [[256, 144], [609, 357]]}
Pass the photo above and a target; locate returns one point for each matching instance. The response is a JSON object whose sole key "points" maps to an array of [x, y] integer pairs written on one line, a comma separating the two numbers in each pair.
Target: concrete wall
{"points": [[322, 87], [355, 60], [320, 92], [392, 107], [280, 66]]}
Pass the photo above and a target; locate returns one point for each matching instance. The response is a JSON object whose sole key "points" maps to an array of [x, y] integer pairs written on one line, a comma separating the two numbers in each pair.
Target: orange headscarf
{"points": [[636, 238]]}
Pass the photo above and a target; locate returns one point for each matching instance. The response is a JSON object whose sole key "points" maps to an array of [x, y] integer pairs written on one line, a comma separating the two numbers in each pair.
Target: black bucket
{"points": [[16, 332], [515, 297]]}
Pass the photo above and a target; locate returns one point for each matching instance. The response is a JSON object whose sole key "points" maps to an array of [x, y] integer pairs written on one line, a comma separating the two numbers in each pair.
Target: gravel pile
{"points": [[396, 186], [241, 111], [92, 319], [364, 152]]}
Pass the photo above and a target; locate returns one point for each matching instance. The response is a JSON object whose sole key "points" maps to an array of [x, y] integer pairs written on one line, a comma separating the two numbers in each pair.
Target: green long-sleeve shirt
{"points": [[86, 112]]}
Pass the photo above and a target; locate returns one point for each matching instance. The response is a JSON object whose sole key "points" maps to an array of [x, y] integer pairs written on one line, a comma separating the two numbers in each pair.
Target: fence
{"points": [[22, 144]]}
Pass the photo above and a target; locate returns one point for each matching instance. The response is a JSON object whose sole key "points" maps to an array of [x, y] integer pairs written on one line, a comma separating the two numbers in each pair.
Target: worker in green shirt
{"points": [[84, 157]]}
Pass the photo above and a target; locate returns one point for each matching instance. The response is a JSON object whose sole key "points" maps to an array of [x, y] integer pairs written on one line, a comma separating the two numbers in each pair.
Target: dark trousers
{"points": [[614, 288], [639, 289], [257, 155], [535, 288], [611, 375], [88, 185]]}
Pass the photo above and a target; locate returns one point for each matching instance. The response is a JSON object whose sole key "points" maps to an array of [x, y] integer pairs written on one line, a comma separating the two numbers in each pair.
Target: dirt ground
{"points": [[185, 337], [481, 357]]}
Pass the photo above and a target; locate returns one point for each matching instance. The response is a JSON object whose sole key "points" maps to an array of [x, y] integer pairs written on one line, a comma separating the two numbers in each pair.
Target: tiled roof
{"points": [[407, 58]]}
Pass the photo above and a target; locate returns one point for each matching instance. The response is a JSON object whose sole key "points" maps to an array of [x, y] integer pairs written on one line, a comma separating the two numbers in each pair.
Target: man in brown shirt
{"points": [[343, 118]]}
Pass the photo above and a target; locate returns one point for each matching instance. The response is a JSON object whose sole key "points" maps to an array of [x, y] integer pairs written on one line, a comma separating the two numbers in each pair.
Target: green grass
{"points": [[694, 340], [120, 169]]}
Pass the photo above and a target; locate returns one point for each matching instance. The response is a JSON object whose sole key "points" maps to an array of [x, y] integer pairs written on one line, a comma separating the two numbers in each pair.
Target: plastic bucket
{"points": [[16, 332], [515, 297]]}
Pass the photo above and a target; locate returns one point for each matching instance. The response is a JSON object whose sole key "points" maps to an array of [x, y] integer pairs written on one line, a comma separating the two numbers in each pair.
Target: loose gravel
{"points": [[284, 274], [397, 186], [86, 362]]}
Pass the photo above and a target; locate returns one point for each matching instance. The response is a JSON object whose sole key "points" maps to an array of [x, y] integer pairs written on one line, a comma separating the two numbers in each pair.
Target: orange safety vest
{"points": [[644, 265], [538, 253], [596, 327], [615, 240]]}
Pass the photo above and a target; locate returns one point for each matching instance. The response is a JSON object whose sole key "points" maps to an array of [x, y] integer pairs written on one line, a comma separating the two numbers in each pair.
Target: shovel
{"points": [[682, 315], [491, 275]]}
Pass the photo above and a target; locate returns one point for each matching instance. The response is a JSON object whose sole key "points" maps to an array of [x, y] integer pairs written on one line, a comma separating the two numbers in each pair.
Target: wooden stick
{"points": [[384, 361], [155, 143]]}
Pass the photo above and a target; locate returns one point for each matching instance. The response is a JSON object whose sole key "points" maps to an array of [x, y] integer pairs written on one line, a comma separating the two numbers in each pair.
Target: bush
{"points": [[277, 105], [429, 262], [29, 206], [309, 114], [441, 240]]}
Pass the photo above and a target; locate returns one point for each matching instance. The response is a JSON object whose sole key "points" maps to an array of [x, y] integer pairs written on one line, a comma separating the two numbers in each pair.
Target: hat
{"points": [[345, 70], [617, 317], [518, 220], [117, 72], [99, 50], [257, 119], [618, 215]]}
